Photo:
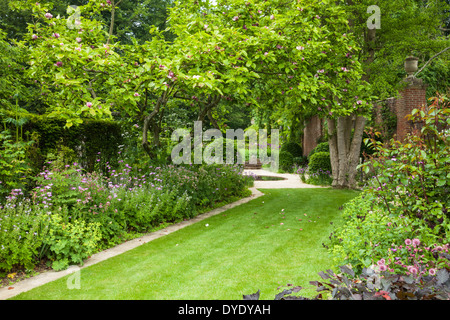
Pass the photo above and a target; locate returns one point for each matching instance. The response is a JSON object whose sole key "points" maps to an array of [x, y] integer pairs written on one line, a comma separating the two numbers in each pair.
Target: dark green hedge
{"points": [[86, 139]]}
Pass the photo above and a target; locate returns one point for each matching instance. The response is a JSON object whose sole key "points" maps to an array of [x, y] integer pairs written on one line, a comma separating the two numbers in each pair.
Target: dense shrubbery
{"points": [[71, 213], [321, 147], [320, 161], [374, 284], [401, 221], [293, 148], [286, 161]]}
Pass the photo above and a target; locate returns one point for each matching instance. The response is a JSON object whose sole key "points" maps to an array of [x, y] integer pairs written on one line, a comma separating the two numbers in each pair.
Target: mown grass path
{"points": [[270, 241]]}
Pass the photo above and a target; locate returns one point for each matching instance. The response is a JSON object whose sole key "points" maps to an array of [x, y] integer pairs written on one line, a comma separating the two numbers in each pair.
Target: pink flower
{"points": [[272, 17], [408, 242], [136, 94], [383, 268], [48, 15], [34, 37], [88, 104], [78, 40], [59, 64], [56, 35], [416, 242], [300, 48], [432, 271], [235, 18], [381, 262]]}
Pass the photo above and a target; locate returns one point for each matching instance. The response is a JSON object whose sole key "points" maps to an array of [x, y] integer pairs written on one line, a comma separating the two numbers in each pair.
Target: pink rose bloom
{"points": [[48, 15]]}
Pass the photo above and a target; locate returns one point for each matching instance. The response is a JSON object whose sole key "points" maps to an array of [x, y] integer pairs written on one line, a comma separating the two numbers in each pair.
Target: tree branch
{"points": [[428, 62]]}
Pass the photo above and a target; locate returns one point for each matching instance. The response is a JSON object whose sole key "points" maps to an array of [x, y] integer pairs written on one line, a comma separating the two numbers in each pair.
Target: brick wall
{"points": [[412, 96]]}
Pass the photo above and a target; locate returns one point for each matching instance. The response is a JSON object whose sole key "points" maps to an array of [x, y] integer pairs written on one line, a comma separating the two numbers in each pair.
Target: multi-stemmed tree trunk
{"points": [[345, 137]]}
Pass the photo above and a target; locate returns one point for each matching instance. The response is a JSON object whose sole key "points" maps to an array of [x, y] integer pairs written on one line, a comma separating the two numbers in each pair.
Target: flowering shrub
{"points": [[414, 258], [80, 213], [373, 284], [411, 178], [367, 233]]}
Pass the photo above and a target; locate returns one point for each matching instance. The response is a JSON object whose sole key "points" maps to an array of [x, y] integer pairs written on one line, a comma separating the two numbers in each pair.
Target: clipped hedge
{"points": [[321, 147], [86, 140], [293, 148], [286, 161]]}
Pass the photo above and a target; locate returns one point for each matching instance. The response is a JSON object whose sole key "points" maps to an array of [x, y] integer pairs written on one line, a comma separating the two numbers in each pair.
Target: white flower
{"points": [[196, 77]]}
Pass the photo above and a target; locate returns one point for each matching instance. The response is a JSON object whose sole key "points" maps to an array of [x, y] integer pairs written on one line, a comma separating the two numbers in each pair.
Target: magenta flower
{"points": [[383, 268], [34, 37], [136, 94], [432, 271], [48, 15], [88, 104], [59, 64], [56, 35]]}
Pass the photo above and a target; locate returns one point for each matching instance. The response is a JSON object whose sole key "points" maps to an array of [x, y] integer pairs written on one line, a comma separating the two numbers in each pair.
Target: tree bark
{"points": [[149, 122], [345, 149]]}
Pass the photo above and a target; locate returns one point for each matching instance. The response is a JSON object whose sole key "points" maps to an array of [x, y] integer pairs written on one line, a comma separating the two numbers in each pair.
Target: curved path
{"points": [[290, 181]]}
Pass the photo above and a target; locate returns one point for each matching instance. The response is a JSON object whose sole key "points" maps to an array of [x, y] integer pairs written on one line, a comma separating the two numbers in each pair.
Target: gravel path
{"points": [[291, 180]]}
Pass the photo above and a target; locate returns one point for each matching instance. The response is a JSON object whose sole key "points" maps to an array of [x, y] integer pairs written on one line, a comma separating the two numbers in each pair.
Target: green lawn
{"points": [[250, 247]]}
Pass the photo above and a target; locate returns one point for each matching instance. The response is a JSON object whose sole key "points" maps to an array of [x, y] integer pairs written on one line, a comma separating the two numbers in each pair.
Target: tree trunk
{"points": [[345, 149], [151, 122]]}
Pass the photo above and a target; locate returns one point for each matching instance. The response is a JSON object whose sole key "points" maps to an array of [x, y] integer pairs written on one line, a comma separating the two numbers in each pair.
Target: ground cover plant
{"points": [[269, 241]]}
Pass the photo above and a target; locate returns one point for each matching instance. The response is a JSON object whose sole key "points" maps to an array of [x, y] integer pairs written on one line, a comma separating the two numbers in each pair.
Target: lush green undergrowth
{"points": [[71, 214]]}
